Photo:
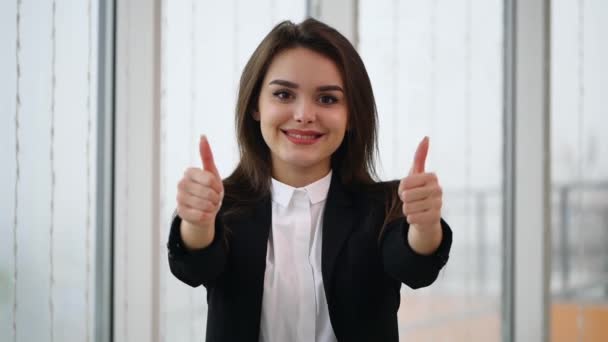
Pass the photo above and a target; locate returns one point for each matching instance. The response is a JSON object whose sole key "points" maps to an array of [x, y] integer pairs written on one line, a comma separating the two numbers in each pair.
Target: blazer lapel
{"points": [[337, 226]]}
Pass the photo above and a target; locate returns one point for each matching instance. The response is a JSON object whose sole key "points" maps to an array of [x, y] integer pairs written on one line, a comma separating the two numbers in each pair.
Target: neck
{"points": [[300, 176]]}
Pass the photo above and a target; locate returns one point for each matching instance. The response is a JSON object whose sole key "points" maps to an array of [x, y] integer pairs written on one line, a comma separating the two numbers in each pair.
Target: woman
{"points": [[300, 242]]}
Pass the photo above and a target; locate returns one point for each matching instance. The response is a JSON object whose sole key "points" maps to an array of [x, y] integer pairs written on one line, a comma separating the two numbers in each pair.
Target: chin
{"points": [[303, 161]]}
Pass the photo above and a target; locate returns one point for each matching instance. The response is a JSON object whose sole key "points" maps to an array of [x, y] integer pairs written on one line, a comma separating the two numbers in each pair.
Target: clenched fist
{"points": [[420, 192], [200, 192], [422, 201]]}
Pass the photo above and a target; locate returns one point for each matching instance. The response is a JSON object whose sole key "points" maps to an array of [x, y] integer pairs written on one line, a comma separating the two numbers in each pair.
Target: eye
{"points": [[283, 95], [328, 99]]}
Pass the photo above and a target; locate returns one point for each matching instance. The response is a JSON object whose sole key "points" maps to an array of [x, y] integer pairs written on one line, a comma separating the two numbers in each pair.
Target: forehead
{"points": [[303, 66]]}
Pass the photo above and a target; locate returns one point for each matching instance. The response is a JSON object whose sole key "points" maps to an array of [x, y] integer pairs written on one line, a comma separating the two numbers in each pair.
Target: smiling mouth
{"points": [[302, 138]]}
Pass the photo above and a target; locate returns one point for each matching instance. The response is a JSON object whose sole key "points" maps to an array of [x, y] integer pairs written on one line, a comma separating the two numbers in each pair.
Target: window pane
{"points": [[579, 167], [436, 68]]}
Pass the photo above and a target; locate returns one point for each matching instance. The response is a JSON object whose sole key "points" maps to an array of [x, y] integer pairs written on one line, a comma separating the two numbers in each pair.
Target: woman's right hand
{"points": [[199, 195]]}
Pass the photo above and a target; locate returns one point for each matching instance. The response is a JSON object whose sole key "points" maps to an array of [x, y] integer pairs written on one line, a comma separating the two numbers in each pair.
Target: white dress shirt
{"points": [[294, 306]]}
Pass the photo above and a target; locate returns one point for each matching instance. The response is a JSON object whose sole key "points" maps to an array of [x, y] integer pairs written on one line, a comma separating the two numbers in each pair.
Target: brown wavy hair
{"points": [[354, 160]]}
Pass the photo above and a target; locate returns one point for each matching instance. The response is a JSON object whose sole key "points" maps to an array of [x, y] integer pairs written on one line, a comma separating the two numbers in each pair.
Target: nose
{"points": [[305, 112]]}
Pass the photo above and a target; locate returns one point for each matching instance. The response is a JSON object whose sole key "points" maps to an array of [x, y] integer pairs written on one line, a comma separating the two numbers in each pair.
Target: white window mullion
{"points": [[340, 14], [137, 165], [527, 162]]}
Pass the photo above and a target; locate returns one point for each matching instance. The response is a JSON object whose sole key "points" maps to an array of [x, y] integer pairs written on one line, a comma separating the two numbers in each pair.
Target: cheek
{"points": [[266, 111], [340, 123], [270, 122]]}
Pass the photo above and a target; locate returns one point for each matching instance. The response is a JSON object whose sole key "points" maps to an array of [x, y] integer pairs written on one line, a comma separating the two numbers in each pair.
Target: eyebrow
{"points": [[296, 86]]}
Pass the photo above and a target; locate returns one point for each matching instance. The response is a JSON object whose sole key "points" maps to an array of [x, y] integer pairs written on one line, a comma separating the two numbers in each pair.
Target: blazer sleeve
{"points": [[196, 267], [404, 264]]}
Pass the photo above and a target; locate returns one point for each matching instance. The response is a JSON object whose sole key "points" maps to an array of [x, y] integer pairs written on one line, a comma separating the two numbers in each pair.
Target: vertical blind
{"points": [[48, 124]]}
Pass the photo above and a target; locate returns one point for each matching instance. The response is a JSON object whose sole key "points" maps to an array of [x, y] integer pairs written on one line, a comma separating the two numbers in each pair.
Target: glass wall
{"points": [[48, 134], [579, 167], [436, 69]]}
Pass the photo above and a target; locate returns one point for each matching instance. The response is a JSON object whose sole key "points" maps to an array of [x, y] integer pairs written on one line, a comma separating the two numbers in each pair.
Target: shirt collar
{"points": [[317, 191]]}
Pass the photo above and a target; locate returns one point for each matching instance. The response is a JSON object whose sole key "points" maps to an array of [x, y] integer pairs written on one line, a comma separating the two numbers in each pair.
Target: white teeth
{"points": [[299, 136]]}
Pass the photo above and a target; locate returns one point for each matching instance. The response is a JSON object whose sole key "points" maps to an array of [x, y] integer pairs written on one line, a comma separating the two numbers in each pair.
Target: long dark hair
{"points": [[354, 160]]}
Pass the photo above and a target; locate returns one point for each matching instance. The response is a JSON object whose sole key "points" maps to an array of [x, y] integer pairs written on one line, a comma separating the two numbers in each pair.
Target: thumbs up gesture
{"points": [[200, 191], [421, 193]]}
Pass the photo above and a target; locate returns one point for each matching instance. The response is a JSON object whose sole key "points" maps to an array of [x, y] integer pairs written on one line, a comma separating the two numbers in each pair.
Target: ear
{"points": [[256, 115]]}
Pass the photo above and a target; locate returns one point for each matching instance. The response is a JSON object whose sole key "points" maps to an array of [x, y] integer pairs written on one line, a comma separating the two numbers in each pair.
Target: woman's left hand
{"points": [[421, 194]]}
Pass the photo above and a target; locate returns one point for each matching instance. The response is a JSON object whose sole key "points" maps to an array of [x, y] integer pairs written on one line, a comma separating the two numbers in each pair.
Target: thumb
{"points": [[420, 156], [207, 156]]}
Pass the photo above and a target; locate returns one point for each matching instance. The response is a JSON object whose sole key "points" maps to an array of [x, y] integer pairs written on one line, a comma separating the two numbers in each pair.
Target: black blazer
{"points": [[361, 275]]}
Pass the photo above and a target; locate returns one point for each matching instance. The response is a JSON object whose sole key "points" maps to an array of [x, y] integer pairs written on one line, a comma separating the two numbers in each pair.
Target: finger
{"points": [[190, 214], [412, 181], [432, 203], [205, 178], [194, 216], [420, 156], [195, 189], [425, 218], [418, 180], [207, 156], [421, 193], [413, 195], [417, 207], [198, 203]]}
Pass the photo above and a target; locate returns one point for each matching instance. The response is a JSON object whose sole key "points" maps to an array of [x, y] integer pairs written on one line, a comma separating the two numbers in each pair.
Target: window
{"points": [[436, 69], [579, 167]]}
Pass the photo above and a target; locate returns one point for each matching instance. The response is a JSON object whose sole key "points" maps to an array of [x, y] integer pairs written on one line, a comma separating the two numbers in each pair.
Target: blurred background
{"points": [[102, 104]]}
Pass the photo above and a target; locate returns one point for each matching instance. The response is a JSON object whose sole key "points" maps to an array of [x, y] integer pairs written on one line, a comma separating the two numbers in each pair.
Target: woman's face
{"points": [[302, 112]]}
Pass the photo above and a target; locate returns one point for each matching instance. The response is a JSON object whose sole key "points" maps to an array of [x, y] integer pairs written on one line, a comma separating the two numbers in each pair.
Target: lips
{"points": [[302, 137]]}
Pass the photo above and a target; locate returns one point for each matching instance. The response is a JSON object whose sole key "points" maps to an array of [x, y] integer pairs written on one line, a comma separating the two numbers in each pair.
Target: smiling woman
{"points": [[301, 242], [302, 123]]}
